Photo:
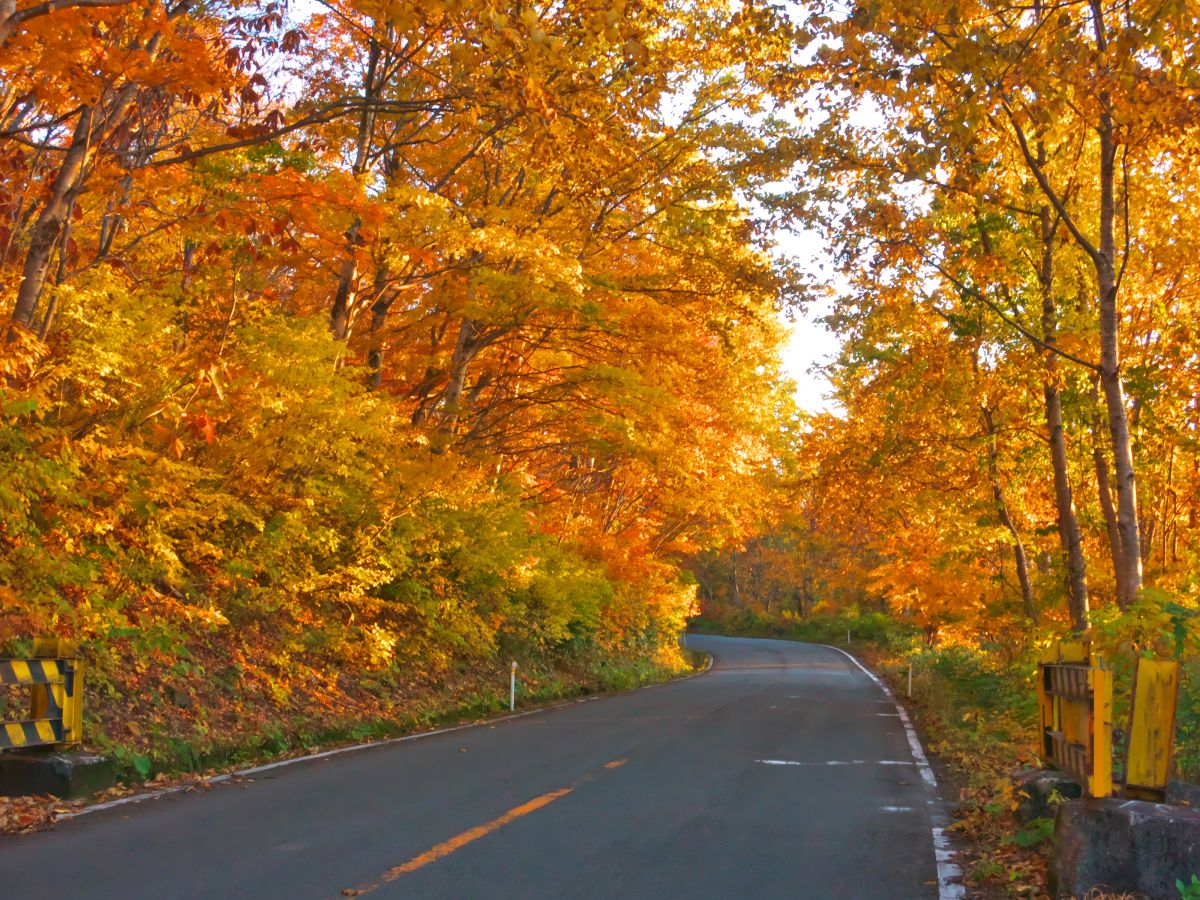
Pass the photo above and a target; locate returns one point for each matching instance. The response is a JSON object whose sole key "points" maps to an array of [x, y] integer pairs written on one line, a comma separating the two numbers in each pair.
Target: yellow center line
{"points": [[445, 848], [473, 834]]}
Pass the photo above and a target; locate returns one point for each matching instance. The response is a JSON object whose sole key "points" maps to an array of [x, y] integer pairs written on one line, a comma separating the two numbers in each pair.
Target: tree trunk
{"points": [[1068, 523], [1020, 558], [1170, 508], [343, 298], [737, 589], [1069, 534], [94, 125], [1122, 443], [379, 313], [61, 277], [1104, 489], [465, 349], [1110, 352], [52, 219], [8, 9], [375, 355]]}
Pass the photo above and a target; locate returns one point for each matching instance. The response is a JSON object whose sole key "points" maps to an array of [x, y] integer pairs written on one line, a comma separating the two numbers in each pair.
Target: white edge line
{"points": [[836, 762], [201, 782], [949, 875]]}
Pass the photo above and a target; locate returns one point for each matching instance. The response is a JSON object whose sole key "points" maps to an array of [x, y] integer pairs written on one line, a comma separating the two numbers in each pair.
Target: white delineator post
{"points": [[910, 676], [512, 687]]}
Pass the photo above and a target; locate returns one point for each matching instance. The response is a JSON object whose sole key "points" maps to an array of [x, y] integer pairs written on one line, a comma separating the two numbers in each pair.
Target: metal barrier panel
{"points": [[1075, 706], [54, 677], [1151, 728]]}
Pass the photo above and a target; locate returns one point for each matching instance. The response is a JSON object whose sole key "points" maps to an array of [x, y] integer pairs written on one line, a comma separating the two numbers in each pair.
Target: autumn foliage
{"points": [[353, 344], [1008, 191]]}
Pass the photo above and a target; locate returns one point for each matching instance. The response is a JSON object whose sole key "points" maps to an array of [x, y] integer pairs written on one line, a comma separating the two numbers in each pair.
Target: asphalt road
{"points": [[782, 772]]}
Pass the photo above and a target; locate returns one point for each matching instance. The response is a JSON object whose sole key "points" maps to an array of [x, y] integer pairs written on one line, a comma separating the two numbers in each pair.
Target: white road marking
{"points": [[950, 885], [836, 762], [895, 809]]}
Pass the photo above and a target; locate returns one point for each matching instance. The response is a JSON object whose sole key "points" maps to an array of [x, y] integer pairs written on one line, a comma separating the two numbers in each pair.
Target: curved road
{"points": [[783, 772]]}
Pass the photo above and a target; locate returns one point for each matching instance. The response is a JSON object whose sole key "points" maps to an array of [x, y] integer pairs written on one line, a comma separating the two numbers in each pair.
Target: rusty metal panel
{"points": [[1151, 727]]}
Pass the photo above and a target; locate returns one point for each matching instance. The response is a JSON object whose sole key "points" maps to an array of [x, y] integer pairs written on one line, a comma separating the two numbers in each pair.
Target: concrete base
{"points": [[1034, 790], [1123, 846], [68, 775]]}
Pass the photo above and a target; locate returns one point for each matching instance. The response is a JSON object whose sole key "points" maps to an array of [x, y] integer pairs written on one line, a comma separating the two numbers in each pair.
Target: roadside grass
{"points": [[471, 695]]}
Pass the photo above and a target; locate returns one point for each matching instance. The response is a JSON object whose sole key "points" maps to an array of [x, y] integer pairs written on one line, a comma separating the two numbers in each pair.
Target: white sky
{"points": [[811, 344]]}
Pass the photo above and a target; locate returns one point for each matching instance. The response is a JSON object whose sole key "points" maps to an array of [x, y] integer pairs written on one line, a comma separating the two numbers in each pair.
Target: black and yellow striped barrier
{"points": [[54, 676]]}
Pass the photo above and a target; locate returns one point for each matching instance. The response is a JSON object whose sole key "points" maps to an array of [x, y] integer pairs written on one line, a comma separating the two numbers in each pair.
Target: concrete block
{"points": [[1123, 846], [68, 774]]}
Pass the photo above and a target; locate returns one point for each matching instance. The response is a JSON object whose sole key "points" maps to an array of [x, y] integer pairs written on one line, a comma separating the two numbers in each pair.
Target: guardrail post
{"points": [[512, 687], [1101, 683], [1046, 706], [56, 700], [68, 696]]}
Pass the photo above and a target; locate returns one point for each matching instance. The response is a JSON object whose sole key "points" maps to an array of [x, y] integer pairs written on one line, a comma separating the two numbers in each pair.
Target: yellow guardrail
{"points": [[54, 676], [1075, 704], [1075, 691]]}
